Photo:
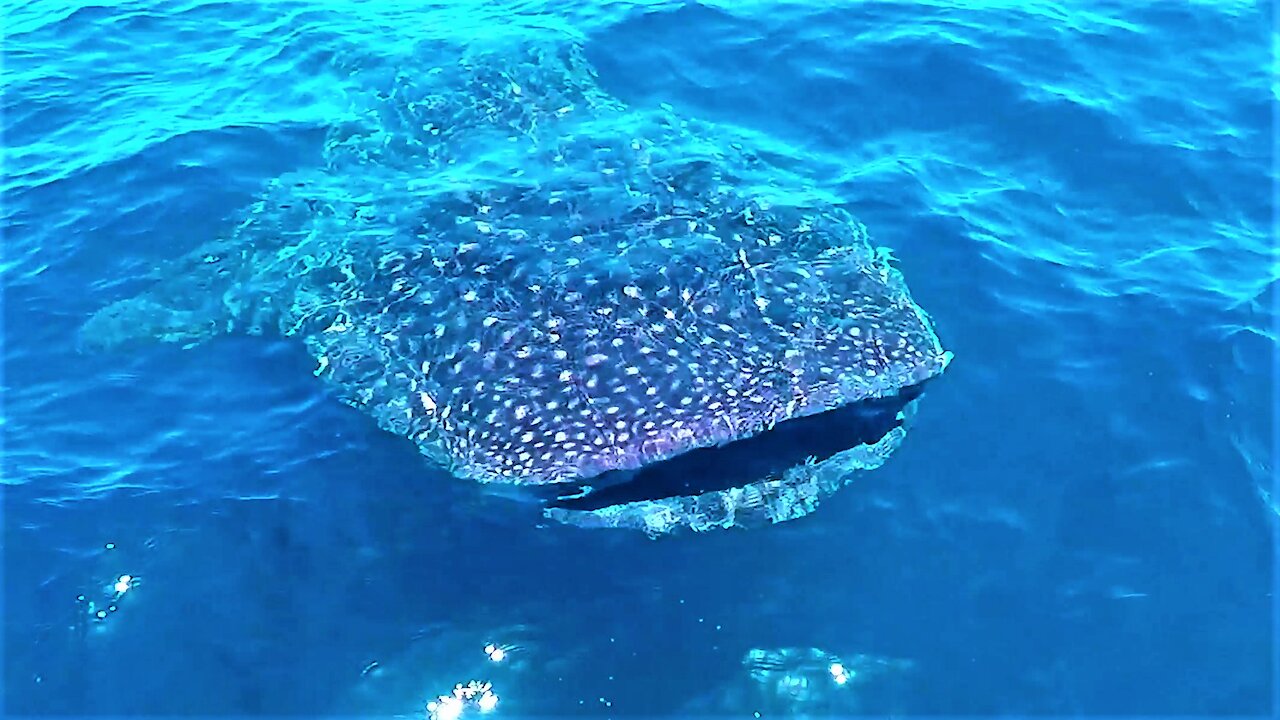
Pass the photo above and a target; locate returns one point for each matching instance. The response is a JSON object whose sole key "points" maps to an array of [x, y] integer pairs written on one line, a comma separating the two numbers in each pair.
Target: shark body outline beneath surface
{"points": [[630, 316]]}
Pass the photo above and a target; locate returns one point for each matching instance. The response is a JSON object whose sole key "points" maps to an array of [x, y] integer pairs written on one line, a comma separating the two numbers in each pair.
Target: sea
{"points": [[1082, 520]]}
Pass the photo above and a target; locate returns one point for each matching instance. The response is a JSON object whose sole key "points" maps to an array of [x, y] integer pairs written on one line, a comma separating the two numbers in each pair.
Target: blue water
{"points": [[1080, 521]]}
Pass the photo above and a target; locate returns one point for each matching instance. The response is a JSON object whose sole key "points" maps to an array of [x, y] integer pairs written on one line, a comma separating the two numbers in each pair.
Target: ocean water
{"points": [[1081, 520]]}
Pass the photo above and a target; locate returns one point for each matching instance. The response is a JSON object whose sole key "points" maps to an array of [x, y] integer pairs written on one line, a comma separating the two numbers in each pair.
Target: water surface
{"points": [[1080, 520]]}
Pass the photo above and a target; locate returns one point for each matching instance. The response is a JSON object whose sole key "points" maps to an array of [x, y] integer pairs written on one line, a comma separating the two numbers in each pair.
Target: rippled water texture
{"points": [[1079, 522]]}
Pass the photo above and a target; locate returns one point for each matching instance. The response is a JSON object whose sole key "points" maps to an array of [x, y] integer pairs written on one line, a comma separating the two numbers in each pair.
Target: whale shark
{"points": [[630, 317]]}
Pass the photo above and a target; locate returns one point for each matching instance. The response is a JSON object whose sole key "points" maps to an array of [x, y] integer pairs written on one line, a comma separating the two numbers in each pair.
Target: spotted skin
{"points": [[538, 285]]}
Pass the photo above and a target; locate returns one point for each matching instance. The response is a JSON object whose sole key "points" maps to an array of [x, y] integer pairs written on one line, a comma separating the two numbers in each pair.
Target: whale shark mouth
{"points": [[765, 456]]}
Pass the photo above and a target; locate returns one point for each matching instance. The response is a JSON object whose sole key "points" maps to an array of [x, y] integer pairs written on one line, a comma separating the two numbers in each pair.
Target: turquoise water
{"points": [[1080, 521]]}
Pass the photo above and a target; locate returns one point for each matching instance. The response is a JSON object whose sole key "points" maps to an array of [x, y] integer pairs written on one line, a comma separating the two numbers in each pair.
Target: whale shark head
{"points": [[729, 370]]}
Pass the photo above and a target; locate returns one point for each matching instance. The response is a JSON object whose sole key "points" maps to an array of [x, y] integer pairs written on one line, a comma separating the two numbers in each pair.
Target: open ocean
{"points": [[1080, 522]]}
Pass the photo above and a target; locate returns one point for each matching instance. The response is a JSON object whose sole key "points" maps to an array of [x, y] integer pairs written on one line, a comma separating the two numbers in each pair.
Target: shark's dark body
{"points": [[541, 287]]}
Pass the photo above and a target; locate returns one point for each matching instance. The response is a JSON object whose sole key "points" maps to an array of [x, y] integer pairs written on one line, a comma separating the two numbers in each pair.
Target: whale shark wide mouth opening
{"points": [[761, 456]]}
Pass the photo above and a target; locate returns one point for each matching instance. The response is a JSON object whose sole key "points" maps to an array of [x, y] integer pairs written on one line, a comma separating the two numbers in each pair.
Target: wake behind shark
{"points": [[629, 316]]}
